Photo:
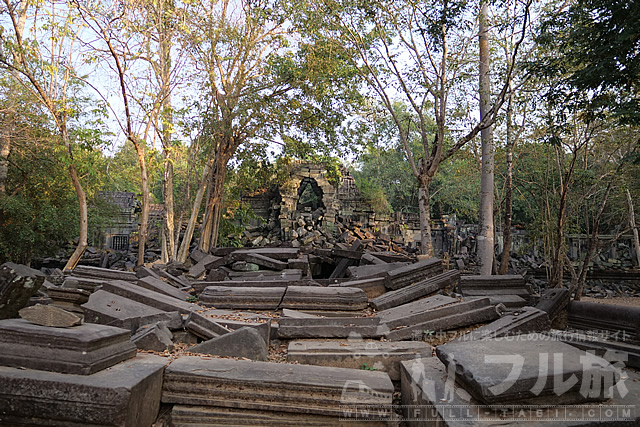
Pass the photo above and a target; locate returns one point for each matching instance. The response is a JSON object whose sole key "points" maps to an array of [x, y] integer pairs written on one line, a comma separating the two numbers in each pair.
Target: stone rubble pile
{"points": [[356, 328]]}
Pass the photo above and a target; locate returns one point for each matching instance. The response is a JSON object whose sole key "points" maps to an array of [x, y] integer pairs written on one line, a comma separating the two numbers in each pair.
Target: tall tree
{"points": [[415, 51]]}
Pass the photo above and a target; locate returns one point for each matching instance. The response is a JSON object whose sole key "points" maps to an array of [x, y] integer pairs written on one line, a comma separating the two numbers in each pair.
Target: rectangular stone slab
{"points": [[553, 301], [404, 276], [160, 286], [330, 327], [525, 321], [282, 254], [267, 298], [203, 326], [397, 314], [267, 262], [484, 369], [145, 296], [127, 394], [430, 398], [356, 354], [272, 386], [104, 273], [436, 310], [272, 282], [610, 317], [82, 350], [18, 283], [373, 287], [110, 309], [377, 270], [321, 298], [417, 290]]}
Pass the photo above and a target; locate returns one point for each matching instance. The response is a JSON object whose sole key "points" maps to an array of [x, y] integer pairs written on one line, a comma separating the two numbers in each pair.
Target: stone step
{"points": [[356, 354], [421, 289], [127, 394], [273, 387], [114, 310], [82, 350]]}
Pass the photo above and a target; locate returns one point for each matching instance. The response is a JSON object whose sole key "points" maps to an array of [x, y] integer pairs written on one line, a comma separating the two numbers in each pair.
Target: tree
{"points": [[417, 51], [43, 63]]}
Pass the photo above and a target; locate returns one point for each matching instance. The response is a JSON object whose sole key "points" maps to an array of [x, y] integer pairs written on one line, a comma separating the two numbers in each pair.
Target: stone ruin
{"points": [[291, 336]]}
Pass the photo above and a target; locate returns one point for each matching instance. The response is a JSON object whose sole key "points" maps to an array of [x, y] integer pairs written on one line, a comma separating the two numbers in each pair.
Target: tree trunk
{"points": [[634, 228], [211, 225], [144, 215], [5, 149], [183, 252], [508, 197], [486, 234], [426, 242]]}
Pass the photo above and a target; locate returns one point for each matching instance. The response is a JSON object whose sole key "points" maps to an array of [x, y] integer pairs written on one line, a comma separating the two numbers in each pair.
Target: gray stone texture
{"points": [[421, 289], [160, 286], [83, 349], [267, 298], [321, 298], [128, 395], [156, 337], [244, 343], [49, 315], [330, 327], [18, 283], [145, 296]]}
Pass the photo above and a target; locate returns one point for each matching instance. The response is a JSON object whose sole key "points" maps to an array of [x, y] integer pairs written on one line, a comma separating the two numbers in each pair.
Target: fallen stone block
{"points": [[151, 298], [267, 262], [177, 281], [356, 354], [301, 264], [376, 270], [110, 309], [321, 298], [254, 385], [617, 319], [83, 349], [244, 343], [404, 276], [267, 298], [103, 273], [511, 302], [197, 255], [498, 287], [395, 316], [271, 282], [83, 283], [293, 314], [330, 327], [68, 299], [602, 345], [203, 326], [372, 287], [441, 319], [553, 301], [155, 337], [18, 283], [128, 395], [387, 256], [207, 263], [550, 372], [528, 320], [162, 287], [281, 254], [263, 327], [430, 396], [49, 315], [417, 290]]}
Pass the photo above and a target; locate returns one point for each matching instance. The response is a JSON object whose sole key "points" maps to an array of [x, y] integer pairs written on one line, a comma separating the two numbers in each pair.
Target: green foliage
{"points": [[366, 367], [373, 194]]}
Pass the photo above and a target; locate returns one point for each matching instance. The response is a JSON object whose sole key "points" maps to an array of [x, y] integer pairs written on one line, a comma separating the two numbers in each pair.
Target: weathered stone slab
{"points": [[160, 286], [377, 270], [83, 283], [330, 327], [624, 352], [83, 349], [388, 256], [372, 287], [156, 337], [417, 290], [142, 272], [549, 372], [267, 298], [404, 276], [297, 314], [369, 355], [512, 302], [203, 326], [177, 281], [282, 254], [188, 415], [206, 263], [553, 301], [111, 309], [301, 264], [145, 296], [441, 319], [267, 262], [321, 298], [103, 273], [128, 395], [254, 385], [245, 342], [395, 316], [49, 315], [431, 397], [524, 321], [369, 259], [18, 283], [253, 283], [262, 275], [500, 288], [68, 299], [607, 317]]}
